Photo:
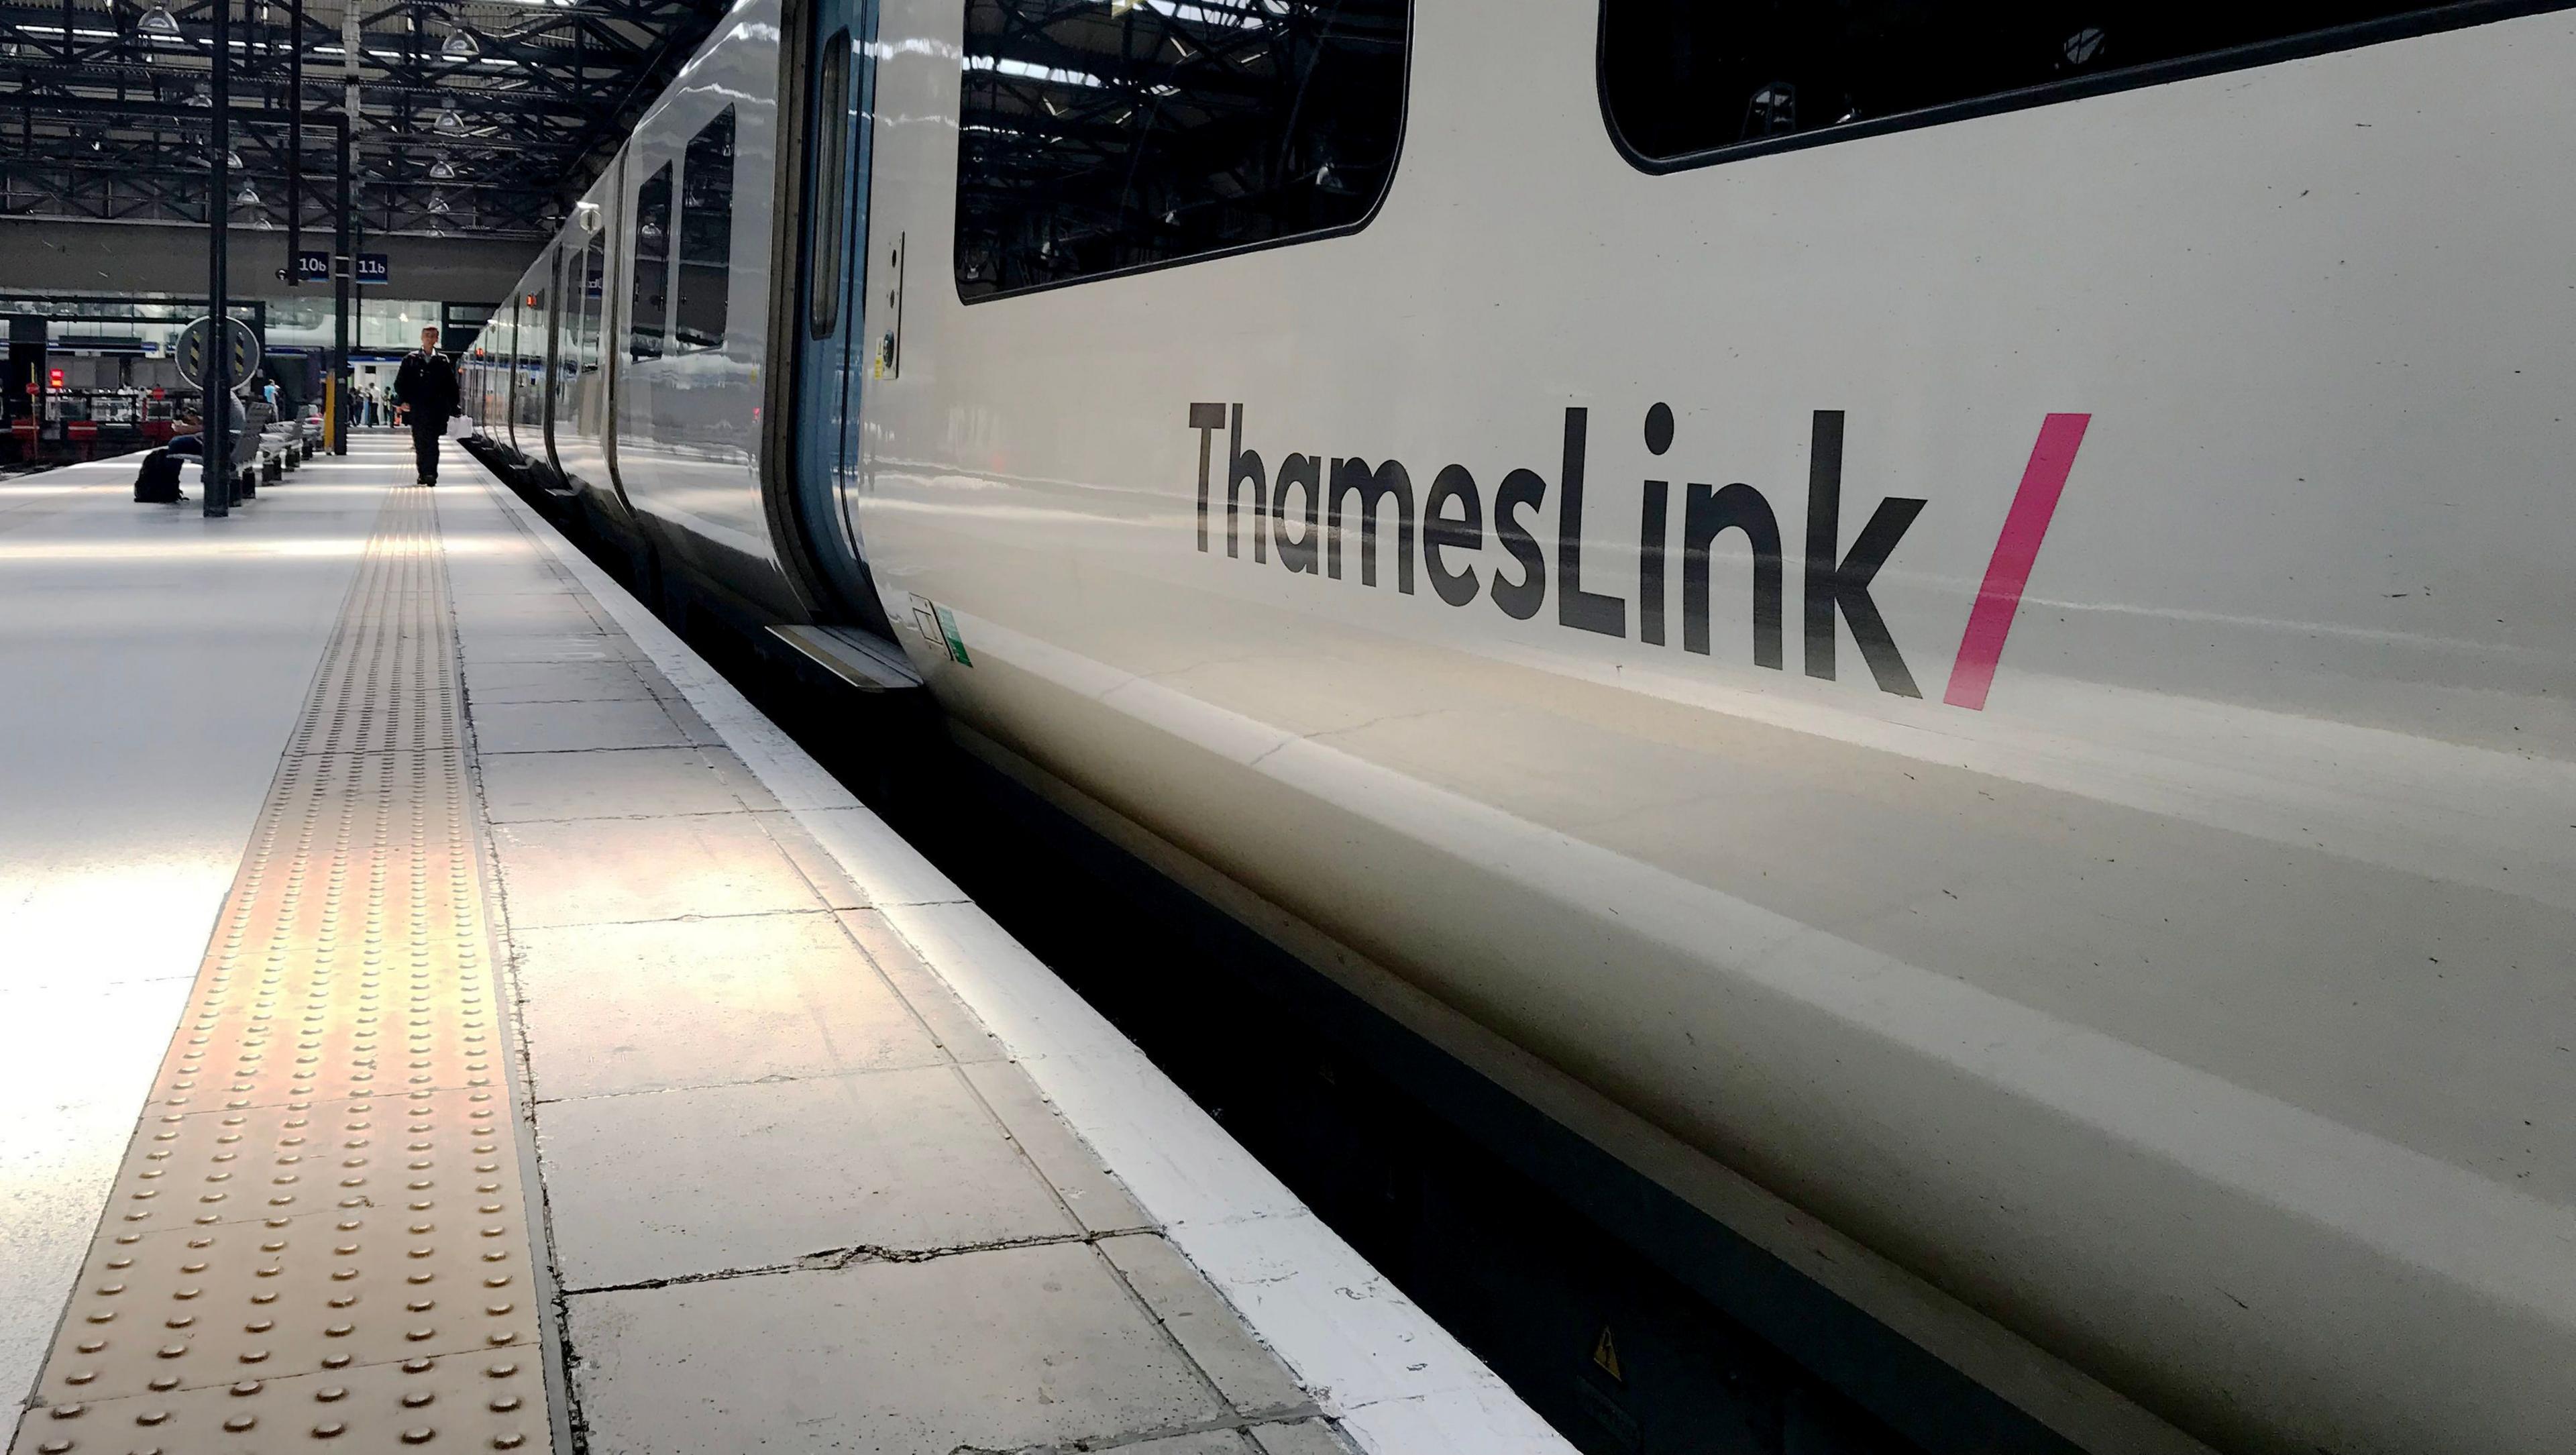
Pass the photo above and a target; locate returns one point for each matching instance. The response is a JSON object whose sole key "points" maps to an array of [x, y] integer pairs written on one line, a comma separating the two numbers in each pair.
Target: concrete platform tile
{"points": [[995, 1350], [1205, 1442], [551, 647], [557, 727], [957, 1027], [1078, 1175], [612, 870], [693, 727], [1300, 1437], [1245, 1370], [493, 580], [893, 872], [649, 1007], [675, 1184], [736, 773], [647, 782], [525, 614], [491, 682], [817, 864], [496, 583]]}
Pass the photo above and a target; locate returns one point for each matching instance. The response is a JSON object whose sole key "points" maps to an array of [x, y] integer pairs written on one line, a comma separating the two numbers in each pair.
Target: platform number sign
{"points": [[374, 269], [313, 265]]}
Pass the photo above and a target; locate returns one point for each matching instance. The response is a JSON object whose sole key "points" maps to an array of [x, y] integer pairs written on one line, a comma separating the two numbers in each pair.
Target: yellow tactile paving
{"points": [[318, 1234]]}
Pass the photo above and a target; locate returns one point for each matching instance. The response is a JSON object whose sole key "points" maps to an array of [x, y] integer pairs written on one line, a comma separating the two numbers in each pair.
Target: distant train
{"points": [[1959, 622]]}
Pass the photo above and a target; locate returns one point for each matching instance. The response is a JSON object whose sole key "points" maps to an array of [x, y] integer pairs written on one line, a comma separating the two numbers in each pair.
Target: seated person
{"points": [[192, 441]]}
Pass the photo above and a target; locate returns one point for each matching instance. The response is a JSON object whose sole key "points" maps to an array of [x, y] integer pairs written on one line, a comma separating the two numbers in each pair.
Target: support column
{"points": [[343, 264], [217, 416], [294, 142]]}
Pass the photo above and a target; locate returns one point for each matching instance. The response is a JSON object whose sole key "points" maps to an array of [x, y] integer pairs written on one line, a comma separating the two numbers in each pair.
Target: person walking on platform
{"points": [[425, 387]]}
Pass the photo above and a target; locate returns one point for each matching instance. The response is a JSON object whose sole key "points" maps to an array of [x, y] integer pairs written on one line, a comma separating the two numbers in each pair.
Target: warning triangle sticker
{"points": [[1605, 1354]]}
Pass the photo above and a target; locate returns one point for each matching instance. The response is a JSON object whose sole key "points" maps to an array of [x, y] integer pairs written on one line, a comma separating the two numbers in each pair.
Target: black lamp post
{"points": [[216, 422]]}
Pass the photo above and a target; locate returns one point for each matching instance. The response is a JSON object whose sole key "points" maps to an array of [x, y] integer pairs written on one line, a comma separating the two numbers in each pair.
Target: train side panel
{"points": [[689, 390], [2167, 967]]}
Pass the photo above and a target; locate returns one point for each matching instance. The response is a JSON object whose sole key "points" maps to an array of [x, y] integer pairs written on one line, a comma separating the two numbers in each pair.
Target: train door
{"points": [[614, 221], [831, 356], [504, 331], [527, 360], [563, 291]]}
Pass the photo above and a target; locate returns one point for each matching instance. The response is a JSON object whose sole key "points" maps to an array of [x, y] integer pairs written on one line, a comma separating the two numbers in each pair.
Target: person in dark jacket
{"points": [[425, 386], [193, 442]]}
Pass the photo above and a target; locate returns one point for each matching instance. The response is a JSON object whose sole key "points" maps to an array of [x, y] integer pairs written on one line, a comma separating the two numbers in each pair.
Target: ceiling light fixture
{"points": [[442, 169], [449, 120], [158, 23], [459, 47], [248, 196]]}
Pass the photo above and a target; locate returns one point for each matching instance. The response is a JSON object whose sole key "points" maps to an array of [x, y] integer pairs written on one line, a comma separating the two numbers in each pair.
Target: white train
{"points": [[1951, 633]]}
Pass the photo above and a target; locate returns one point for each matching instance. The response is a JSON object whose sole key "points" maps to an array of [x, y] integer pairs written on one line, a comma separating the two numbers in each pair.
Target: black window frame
{"points": [[595, 344], [683, 339], [1394, 167], [666, 177], [831, 187], [2431, 20], [529, 364]]}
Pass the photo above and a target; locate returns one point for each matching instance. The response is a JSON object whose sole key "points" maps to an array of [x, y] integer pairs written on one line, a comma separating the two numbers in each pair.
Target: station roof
{"points": [[473, 119]]}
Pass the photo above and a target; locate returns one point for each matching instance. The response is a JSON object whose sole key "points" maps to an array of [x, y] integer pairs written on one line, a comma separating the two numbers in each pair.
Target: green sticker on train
{"points": [[948, 632], [938, 626]]}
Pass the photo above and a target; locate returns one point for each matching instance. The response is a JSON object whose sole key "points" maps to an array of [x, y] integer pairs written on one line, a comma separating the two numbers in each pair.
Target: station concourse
{"points": [[441, 1013]]}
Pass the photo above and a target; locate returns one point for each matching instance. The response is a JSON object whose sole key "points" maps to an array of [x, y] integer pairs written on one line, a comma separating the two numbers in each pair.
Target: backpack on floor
{"points": [[157, 483]]}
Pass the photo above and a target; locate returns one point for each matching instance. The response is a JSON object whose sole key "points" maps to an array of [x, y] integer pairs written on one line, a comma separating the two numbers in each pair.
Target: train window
{"points": [[706, 235], [1684, 83], [594, 286], [580, 405], [831, 168], [651, 302], [1097, 138], [528, 405]]}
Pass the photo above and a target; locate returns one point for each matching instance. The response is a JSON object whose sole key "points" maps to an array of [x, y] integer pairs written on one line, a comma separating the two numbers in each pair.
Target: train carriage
{"points": [[1946, 632]]}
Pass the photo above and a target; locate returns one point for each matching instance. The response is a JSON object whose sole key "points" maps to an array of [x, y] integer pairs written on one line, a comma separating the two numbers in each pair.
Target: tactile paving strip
{"points": [[317, 1237]]}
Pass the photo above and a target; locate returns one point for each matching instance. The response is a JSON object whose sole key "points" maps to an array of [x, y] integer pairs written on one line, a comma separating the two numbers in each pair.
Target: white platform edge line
{"points": [[1399, 1382]]}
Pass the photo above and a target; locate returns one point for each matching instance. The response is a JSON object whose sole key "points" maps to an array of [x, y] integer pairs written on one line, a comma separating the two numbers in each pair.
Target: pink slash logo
{"points": [[2025, 525]]}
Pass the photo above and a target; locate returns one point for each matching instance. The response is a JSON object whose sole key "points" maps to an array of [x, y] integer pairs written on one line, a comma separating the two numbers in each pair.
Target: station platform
{"points": [[439, 1011]]}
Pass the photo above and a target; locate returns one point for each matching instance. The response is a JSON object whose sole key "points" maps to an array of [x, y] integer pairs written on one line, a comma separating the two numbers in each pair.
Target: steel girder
{"points": [[100, 119]]}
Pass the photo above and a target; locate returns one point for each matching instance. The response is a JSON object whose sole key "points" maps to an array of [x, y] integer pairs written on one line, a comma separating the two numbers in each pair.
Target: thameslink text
{"points": [[1296, 513]]}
